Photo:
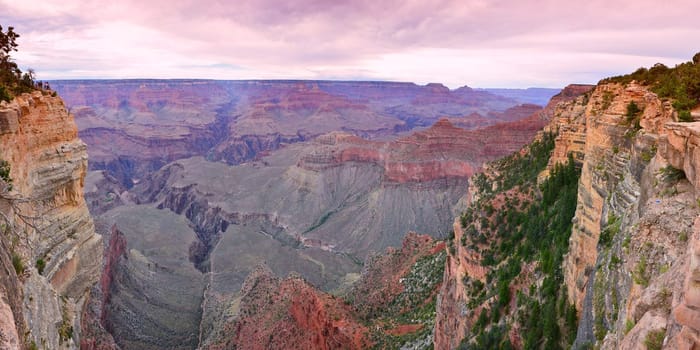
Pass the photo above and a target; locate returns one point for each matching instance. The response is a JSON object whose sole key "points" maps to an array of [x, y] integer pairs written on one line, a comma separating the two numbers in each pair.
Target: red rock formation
{"points": [[291, 314], [382, 278], [134, 127], [439, 152]]}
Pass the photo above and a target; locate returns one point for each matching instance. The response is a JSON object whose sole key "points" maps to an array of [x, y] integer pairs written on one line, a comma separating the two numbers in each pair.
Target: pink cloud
{"points": [[477, 42]]}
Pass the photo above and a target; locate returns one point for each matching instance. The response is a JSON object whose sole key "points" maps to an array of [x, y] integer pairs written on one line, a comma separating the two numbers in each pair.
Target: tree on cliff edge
{"points": [[12, 80]]}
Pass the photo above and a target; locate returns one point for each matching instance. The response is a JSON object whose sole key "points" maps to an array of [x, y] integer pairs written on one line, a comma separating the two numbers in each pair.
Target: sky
{"points": [[478, 43]]}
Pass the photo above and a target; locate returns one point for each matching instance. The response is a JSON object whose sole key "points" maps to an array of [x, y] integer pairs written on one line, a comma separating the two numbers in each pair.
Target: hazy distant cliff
{"points": [[134, 127], [48, 233]]}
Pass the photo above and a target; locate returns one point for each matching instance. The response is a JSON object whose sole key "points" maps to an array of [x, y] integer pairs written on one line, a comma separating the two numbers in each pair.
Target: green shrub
{"points": [[671, 174], [680, 83], [611, 230], [655, 339], [684, 116], [5, 173], [65, 330], [40, 265], [640, 275], [629, 324], [4, 94], [648, 154], [632, 111], [17, 263]]}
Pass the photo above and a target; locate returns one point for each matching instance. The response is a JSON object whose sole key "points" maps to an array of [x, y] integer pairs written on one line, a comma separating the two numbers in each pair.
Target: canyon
{"points": [[258, 214], [305, 178], [134, 127]]}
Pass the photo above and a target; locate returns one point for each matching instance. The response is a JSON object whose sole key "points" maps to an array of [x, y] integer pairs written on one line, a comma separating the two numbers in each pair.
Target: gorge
{"points": [[258, 214]]}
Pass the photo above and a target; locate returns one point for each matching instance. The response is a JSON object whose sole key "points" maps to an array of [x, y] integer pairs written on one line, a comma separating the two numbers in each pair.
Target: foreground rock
{"points": [[48, 233], [291, 313]]}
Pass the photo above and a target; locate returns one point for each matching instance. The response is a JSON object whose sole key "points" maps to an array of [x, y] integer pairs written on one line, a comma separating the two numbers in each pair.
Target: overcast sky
{"points": [[478, 43]]}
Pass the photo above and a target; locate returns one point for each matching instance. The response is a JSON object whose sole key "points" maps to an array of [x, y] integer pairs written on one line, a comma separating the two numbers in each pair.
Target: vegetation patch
{"points": [[40, 265], [655, 339], [5, 174], [680, 84], [671, 174], [18, 263], [640, 275], [12, 81], [531, 227], [610, 231]]}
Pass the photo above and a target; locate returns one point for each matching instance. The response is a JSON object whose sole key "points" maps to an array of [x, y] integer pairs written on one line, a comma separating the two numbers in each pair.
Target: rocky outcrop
{"points": [[441, 152], [382, 279], [389, 306], [12, 324], [45, 213], [292, 314], [608, 163], [686, 311], [95, 322], [679, 147], [452, 319], [630, 262]]}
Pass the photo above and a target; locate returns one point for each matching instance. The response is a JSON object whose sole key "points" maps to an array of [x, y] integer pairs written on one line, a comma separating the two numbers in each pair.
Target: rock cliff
{"points": [[49, 233], [461, 300], [627, 259], [629, 266]]}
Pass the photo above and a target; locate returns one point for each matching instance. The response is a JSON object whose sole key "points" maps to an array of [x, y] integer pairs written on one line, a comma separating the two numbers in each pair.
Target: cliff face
{"points": [[460, 302], [627, 259], [630, 268], [608, 162], [631, 261], [52, 232]]}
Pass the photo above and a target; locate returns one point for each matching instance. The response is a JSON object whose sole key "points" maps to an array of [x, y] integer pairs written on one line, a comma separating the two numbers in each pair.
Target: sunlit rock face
{"points": [[46, 213]]}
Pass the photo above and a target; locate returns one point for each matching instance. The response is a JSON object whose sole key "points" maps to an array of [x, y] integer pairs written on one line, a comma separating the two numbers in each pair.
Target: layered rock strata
{"points": [[53, 235]]}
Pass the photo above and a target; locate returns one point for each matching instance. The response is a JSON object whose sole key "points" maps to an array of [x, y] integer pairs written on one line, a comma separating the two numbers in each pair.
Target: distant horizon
{"points": [[504, 44], [309, 80]]}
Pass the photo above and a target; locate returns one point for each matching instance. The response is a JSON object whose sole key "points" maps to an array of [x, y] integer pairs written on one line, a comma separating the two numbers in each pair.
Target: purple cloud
{"points": [[474, 42]]}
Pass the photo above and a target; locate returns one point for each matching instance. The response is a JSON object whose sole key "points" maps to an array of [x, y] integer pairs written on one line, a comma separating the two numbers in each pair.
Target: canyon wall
{"points": [[456, 309], [627, 258], [631, 266], [49, 233]]}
